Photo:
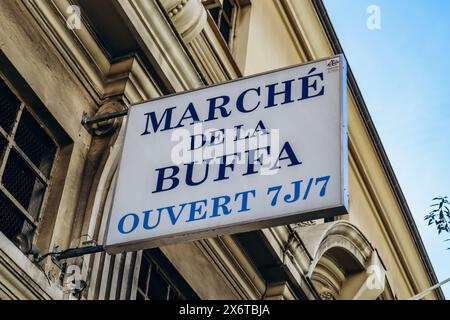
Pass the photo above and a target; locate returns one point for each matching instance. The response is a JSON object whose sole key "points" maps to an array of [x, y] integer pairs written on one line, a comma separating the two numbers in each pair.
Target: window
{"points": [[27, 154], [159, 280], [223, 13]]}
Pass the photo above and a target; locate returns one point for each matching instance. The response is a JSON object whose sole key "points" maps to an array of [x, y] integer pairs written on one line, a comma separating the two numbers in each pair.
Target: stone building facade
{"points": [[60, 59]]}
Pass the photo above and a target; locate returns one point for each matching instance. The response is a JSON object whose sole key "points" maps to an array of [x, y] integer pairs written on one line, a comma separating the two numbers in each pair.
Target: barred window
{"points": [[27, 153], [159, 280], [223, 13]]}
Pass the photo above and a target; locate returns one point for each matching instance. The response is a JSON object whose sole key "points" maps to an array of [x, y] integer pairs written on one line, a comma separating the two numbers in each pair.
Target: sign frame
{"points": [[294, 217]]}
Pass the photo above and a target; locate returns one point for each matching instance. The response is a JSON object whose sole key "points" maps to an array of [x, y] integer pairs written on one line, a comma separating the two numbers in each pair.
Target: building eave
{"points": [[376, 141]]}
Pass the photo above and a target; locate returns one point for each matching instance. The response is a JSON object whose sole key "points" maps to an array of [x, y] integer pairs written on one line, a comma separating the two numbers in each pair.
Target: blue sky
{"points": [[403, 70]]}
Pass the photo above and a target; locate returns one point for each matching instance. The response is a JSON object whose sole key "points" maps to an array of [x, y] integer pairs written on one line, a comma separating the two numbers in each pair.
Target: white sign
{"points": [[261, 151]]}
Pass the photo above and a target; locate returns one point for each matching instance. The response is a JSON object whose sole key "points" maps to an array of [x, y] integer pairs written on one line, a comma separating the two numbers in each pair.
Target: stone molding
{"points": [[22, 279], [85, 57], [188, 16]]}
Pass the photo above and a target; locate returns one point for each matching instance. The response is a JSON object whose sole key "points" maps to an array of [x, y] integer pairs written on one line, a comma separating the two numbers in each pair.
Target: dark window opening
{"points": [[9, 105], [27, 153], [159, 280], [22, 183], [35, 143], [223, 12]]}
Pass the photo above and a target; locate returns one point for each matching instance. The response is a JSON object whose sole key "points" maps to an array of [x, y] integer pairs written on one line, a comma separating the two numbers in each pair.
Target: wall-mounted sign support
{"points": [[88, 122], [71, 253]]}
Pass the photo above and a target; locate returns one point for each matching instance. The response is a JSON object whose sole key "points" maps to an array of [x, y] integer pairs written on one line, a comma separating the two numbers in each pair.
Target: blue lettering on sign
{"points": [[268, 96], [296, 195], [168, 177], [135, 222], [222, 207], [278, 94]]}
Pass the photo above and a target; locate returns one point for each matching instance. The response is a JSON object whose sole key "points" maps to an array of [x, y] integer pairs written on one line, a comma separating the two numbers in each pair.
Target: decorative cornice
{"points": [[342, 234], [160, 43], [345, 265], [328, 277], [85, 57], [188, 16]]}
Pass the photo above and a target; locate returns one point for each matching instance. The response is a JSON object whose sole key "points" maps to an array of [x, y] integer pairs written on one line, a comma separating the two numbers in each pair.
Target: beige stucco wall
{"points": [[270, 45]]}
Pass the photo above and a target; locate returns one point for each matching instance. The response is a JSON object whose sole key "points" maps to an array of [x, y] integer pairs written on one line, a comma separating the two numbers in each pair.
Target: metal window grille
{"points": [[159, 280], [27, 153], [223, 13]]}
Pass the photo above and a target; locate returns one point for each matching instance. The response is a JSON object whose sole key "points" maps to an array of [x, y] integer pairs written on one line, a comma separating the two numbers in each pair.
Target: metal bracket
{"points": [[78, 252], [58, 256], [88, 123]]}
